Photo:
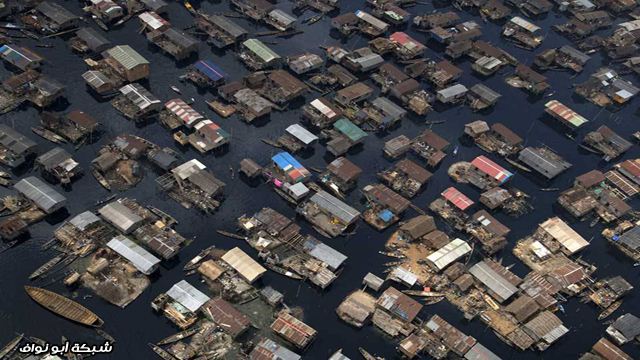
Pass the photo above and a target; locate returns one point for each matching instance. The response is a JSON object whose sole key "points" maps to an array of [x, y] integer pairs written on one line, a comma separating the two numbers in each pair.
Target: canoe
{"points": [[10, 347], [64, 306]]}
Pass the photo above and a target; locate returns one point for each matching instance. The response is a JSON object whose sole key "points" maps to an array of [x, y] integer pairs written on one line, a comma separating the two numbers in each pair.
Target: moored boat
{"points": [[282, 271], [610, 310], [48, 134], [64, 306], [178, 336], [423, 293], [101, 179], [10, 347], [161, 352], [195, 261], [47, 266]]}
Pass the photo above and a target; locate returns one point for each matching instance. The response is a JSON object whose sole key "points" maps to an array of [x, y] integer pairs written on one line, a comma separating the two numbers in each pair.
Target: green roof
{"points": [[349, 129], [125, 55], [260, 49]]}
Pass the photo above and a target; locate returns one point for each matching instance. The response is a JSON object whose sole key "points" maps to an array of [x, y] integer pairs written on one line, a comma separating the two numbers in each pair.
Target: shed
{"points": [[227, 317], [41, 194], [498, 286], [268, 349], [187, 295], [449, 253], [121, 217], [303, 135], [248, 268], [323, 252], [373, 281], [92, 39], [143, 260]]}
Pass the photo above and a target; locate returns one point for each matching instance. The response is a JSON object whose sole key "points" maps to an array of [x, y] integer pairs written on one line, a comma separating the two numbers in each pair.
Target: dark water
{"points": [[137, 324]]}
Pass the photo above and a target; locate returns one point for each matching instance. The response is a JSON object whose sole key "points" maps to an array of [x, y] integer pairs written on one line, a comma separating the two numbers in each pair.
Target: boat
{"points": [[161, 352], [106, 200], [105, 335], [101, 179], [47, 266], [11, 346], [4, 246], [166, 218], [272, 143], [6, 175], [422, 293], [636, 264], [5, 182], [610, 310], [549, 189], [63, 306], [590, 149], [561, 308], [394, 263], [433, 300], [434, 122], [283, 271], [193, 263], [391, 254], [518, 165], [365, 354], [231, 235], [455, 151], [179, 336], [48, 134], [175, 88]]}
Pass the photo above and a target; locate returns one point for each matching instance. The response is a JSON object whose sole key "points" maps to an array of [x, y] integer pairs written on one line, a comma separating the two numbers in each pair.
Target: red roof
{"points": [[457, 198], [490, 168], [404, 39]]}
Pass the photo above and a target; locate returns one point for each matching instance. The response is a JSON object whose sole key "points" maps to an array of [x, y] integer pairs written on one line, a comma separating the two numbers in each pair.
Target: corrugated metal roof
{"points": [[184, 111], [261, 50], [372, 20], [143, 260], [248, 268], [187, 295], [479, 352], [335, 207], [95, 78], [457, 198], [140, 96], [502, 288], [449, 253], [492, 169], [561, 112], [126, 56], [299, 132], [324, 252], [120, 216], [41, 194], [268, 349], [210, 70], [564, 234], [524, 24], [83, 220], [350, 130]]}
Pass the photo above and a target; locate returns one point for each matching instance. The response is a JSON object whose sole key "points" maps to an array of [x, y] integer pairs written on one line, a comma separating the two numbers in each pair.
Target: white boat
{"points": [[174, 88]]}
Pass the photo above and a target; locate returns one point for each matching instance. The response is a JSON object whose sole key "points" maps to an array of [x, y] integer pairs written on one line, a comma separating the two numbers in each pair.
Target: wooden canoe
{"points": [[63, 306]]}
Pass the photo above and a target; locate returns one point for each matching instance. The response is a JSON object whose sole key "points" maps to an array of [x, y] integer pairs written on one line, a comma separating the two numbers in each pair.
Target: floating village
{"points": [[320, 179]]}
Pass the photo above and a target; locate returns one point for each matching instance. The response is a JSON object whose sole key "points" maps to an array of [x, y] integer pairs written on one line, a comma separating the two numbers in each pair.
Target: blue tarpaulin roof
{"points": [[210, 70], [386, 215], [284, 160]]}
